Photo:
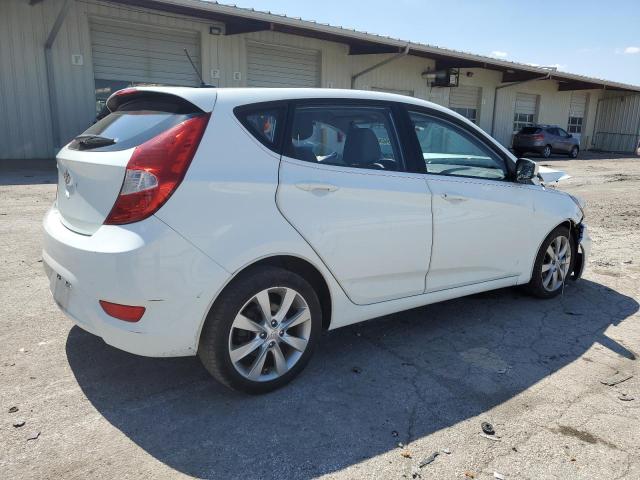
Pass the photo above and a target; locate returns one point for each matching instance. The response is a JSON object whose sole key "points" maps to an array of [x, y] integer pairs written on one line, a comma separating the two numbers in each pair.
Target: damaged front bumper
{"points": [[583, 242]]}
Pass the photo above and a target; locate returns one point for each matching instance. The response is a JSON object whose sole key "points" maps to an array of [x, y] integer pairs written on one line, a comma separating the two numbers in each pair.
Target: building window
{"points": [[575, 125], [521, 120], [469, 113]]}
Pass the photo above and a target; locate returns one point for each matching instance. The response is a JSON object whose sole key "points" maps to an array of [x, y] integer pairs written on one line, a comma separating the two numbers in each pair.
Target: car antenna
{"points": [[202, 84]]}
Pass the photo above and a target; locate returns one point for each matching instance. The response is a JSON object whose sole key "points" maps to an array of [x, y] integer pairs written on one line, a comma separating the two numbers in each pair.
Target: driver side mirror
{"points": [[526, 170]]}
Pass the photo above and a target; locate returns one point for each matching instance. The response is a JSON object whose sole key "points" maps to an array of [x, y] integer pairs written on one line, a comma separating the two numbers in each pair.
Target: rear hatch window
{"points": [[92, 167], [529, 131], [135, 121]]}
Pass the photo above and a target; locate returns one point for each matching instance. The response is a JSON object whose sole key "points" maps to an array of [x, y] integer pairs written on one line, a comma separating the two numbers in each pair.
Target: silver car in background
{"points": [[545, 140]]}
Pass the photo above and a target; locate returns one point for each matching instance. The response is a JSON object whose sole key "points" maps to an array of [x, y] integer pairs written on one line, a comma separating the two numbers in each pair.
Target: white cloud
{"points": [[499, 54], [632, 50]]}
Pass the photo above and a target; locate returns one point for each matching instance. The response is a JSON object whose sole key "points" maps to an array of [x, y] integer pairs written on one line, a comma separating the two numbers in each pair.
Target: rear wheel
{"points": [[262, 330], [554, 264], [574, 152], [546, 151]]}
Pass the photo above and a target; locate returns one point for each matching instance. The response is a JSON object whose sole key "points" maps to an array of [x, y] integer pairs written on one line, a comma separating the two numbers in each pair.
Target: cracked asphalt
{"points": [[424, 379]]}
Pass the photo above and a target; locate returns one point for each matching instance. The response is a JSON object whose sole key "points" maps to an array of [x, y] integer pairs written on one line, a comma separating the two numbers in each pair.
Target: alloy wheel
{"points": [[546, 153], [556, 264], [269, 334]]}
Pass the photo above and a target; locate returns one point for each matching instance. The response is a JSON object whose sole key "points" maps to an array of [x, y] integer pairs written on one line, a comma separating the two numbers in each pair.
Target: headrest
{"points": [[361, 147], [302, 126]]}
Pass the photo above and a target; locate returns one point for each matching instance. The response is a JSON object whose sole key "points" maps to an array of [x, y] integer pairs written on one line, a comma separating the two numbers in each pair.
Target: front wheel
{"points": [[262, 330], [574, 152], [546, 151], [554, 264]]}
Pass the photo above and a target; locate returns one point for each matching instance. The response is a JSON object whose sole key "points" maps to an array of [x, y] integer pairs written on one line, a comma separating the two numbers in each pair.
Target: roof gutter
{"points": [[404, 53], [499, 87], [51, 84]]}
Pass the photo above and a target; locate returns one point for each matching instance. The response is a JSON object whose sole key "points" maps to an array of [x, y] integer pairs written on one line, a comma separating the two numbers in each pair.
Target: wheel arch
{"points": [[295, 264], [573, 231]]}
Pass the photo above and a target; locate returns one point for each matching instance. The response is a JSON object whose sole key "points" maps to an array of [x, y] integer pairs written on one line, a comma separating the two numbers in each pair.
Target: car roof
{"points": [[273, 94], [204, 96], [232, 97]]}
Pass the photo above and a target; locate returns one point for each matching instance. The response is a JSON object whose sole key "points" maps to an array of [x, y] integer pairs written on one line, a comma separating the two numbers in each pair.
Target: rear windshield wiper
{"points": [[94, 141]]}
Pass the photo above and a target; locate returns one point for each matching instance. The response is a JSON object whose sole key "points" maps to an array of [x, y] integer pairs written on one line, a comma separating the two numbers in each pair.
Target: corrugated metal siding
{"points": [[618, 123], [25, 126], [276, 66], [24, 109], [140, 53], [465, 97]]}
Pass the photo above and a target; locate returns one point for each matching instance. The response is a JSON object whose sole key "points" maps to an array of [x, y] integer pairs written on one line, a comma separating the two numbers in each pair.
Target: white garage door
{"points": [[274, 66], [577, 113], [578, 105], [143, 54], [465, 100], [526, 110]]}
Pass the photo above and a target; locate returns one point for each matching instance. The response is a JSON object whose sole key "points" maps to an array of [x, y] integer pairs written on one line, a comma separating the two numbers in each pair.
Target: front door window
{"points": [[449, 150]]}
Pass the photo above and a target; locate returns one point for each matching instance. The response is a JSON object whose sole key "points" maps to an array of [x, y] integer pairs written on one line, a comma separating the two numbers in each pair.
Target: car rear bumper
{"points": [[529, 146], [142, 264]]}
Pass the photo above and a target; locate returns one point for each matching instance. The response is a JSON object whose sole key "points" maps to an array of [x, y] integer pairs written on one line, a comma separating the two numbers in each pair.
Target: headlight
{"points": [[579, 202]]}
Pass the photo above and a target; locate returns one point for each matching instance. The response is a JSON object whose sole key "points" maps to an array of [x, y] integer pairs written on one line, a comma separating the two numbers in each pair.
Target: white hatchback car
{"points": [[235, 224]]}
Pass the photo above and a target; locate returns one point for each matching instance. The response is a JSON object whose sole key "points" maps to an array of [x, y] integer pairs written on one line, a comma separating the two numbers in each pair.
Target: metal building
{"points": [[61, 59]]}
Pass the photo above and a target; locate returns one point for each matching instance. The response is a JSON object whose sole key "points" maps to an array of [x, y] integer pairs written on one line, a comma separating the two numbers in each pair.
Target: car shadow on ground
{"points": [[417, 372]]}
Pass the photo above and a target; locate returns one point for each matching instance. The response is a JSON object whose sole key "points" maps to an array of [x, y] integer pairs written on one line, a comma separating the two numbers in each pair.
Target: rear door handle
{"points": [[312, 187], [453, 198]]}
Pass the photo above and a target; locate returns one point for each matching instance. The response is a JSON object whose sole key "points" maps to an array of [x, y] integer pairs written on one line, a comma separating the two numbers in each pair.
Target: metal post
{"points": [[51, 85]]}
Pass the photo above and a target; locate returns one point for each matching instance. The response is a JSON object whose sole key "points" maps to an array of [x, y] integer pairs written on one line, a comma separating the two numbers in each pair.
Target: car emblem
{"points": [[67, 177]]}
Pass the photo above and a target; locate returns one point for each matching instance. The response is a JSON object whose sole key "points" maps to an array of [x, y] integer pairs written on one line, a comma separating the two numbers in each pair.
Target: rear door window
{"points": [[349, 136]]}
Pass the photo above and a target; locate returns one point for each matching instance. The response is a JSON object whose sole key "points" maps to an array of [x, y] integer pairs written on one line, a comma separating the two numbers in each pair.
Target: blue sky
{"points": [[589, 37]]}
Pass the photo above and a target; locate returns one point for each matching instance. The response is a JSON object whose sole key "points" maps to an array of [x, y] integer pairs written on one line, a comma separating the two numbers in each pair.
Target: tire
{"points": [[574, 152], [538, 286], [546, 151], [261, 368]]}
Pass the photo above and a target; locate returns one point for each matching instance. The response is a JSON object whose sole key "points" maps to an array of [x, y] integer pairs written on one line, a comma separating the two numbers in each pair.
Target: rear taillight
{"points": [[538, 137], [155, 170], [126, 91], [126, 313]]}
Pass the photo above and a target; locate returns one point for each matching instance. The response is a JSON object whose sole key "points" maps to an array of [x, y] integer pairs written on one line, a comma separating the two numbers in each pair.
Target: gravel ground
{"points": [[424, 378]]}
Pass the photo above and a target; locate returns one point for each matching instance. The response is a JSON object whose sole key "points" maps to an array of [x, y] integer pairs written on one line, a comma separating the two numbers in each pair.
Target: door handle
{"points": [[312, 187], [453, 198]]}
